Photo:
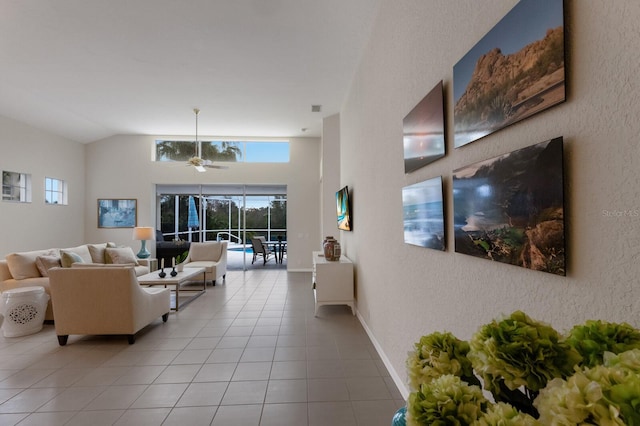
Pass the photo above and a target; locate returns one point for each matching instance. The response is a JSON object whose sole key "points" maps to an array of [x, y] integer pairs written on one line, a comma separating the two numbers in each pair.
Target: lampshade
{"points": [[143, 233]]}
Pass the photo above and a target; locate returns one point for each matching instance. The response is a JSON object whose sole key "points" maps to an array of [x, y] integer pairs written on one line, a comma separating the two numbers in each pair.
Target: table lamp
{"points": [[143, 233]]}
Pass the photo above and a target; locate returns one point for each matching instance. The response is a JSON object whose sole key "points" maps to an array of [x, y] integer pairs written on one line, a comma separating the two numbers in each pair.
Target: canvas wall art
{"points": [[423, 131], [117, 213], [423, 214], [510, 208], [513, 72]]}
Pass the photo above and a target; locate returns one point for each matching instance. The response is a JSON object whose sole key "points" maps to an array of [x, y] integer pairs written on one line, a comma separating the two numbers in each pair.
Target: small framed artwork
{"points": [[117, 213], [423, 214]]}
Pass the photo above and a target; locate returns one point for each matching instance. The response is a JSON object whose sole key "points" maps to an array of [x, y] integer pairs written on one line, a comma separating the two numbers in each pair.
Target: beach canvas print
{"points": [[423, 131], [423, 214], [513, 72], [510, 208]]}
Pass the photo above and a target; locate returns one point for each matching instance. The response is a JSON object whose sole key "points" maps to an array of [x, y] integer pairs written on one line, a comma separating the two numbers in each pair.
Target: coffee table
{"points": [[183, 277]]}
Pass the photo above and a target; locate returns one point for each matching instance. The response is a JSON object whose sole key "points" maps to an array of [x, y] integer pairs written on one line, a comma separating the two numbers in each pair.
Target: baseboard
{"points": [[394, 375], [299, 270]]}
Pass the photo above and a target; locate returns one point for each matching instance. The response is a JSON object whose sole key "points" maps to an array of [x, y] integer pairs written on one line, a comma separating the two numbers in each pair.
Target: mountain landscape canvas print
{"points": [[513, 72], [423, 214], [510, 208]]}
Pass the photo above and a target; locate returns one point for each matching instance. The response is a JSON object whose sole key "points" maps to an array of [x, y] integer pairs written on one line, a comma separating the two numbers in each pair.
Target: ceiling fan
{"points": [[197, 161]]}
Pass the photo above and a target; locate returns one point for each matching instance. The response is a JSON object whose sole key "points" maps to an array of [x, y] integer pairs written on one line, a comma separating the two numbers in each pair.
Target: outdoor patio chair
{"points": [[260, 248]]}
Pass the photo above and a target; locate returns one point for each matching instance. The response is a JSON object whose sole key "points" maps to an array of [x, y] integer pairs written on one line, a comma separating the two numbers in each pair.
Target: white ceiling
{"points": [[90, 69]]}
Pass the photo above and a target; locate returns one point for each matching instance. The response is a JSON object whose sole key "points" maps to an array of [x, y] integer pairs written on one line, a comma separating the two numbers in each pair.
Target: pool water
{"points": [[246, 250]]}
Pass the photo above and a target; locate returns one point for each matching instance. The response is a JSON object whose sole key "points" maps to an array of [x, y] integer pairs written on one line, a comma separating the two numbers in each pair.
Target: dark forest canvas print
{"points": [[515, 71], [423, 214], [423, 131], [510, 208]]}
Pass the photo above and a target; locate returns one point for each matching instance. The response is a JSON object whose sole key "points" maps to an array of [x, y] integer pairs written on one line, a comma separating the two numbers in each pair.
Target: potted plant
{"points": [[180, 259]]}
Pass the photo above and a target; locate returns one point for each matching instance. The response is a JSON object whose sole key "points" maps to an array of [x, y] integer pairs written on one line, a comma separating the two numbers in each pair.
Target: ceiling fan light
{"points": [[200, 169]]}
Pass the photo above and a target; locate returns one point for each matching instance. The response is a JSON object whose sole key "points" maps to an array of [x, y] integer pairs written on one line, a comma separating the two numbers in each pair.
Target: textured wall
{"points": [[405, 291], [36, 225]]}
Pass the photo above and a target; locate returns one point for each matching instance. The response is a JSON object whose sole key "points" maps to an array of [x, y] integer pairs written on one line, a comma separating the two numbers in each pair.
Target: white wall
{"points": [[330, 175], [405, 291], [36, 225], [121, 167]]}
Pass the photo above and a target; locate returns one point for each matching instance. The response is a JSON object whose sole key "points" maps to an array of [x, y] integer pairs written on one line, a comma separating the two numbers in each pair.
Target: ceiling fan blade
{"points": [[214, 166]]}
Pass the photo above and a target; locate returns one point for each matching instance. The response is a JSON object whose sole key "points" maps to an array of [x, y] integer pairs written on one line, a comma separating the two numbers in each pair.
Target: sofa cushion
{"points": [[103, 265], [205, 251], [120, 255], [44, 263], [68, 258], [97, 251], [23, 265], [82, 251]]}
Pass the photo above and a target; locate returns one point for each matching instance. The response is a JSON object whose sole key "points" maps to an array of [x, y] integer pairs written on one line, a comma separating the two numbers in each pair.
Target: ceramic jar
{"points": [[332, 249]]}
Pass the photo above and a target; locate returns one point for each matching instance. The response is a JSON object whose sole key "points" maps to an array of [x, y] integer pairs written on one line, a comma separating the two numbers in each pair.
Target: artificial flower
{"points": [[594, 338], [446, 400], [502, 414], [605, 394], [438, 354], [521, 352]]}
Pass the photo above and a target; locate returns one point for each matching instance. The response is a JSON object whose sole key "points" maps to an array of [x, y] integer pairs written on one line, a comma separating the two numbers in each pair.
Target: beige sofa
{"points": [[25, 269], [210, 255], [104, 300]]}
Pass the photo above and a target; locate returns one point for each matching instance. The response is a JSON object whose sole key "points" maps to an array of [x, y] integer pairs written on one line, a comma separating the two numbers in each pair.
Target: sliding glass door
{"points": [[235, 213]]}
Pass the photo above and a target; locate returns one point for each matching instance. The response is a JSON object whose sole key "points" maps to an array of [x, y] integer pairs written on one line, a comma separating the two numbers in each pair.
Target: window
{"points": [[224, 151], [175, 150], [16, 187], [55, 191]]}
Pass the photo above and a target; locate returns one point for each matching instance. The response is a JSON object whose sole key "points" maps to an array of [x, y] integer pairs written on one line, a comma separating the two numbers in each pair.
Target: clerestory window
{"points": [[224, 151]]}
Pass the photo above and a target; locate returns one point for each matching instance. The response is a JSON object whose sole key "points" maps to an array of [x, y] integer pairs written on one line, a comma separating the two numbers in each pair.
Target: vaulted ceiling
{"points": [[90, 69]]}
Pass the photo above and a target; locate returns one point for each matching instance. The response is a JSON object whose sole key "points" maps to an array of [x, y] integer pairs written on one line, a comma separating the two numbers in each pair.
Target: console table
{"points": [[333, 282]]}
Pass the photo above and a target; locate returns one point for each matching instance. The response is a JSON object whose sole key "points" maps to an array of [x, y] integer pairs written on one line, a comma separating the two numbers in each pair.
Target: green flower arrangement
{"points": [[446, 400], [537, 377], [519, 352], [502, 414], [594, 338], [606, 394], [438, 354]]}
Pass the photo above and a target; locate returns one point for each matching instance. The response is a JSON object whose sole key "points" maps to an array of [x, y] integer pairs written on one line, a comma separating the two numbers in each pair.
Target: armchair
{"points": [[103, 300], [210, 255]]}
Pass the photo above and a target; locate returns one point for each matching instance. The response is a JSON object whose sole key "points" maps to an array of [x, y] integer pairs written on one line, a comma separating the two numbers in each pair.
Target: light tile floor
{"points": [[248, 352]]}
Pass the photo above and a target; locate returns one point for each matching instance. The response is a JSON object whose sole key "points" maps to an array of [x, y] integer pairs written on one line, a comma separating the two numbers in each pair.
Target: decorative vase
{"points": [[332, 249], [162, 273], [399, 419], [173, 272], [180, 267]]}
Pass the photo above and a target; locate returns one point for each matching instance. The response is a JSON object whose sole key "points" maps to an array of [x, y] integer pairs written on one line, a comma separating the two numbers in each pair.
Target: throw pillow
{"points": [[97, 252], [120, 255], [44, 263], [68, 258], [23, 265], [82, 251]]}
